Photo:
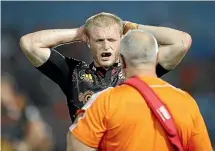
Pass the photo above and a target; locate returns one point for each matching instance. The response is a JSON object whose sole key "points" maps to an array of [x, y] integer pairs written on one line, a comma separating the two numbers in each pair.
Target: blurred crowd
{"points": [[34, 115]]}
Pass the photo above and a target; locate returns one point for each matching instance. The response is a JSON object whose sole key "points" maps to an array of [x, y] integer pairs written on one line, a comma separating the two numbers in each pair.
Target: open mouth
{"points": [[106, 54]]}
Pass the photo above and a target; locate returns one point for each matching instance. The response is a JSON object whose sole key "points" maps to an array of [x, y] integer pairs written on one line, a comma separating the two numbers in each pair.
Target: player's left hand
{"points": [[127, 25]]}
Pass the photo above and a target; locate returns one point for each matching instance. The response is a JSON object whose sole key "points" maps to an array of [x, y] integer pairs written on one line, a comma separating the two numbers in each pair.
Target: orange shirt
{"points": [[118, 119]]}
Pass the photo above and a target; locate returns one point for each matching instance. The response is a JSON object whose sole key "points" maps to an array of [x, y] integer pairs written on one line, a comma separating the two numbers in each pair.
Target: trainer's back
{"points": [[133, 127]]}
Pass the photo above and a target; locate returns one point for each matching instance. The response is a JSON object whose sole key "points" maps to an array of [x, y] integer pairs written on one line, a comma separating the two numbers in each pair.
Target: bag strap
{"points": [[158, 108]]}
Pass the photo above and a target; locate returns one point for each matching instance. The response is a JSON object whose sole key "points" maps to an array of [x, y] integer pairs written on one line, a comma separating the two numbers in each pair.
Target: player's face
{"points": [[104, 44]]}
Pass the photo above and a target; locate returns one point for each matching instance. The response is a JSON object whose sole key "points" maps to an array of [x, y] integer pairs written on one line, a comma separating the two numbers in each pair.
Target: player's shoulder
{"points": [[69, 60], [76, 62], [104, 92]]}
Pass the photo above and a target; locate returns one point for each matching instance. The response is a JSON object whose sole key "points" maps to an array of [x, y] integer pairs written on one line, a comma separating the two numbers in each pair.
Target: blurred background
{"points": [[33, 108]]}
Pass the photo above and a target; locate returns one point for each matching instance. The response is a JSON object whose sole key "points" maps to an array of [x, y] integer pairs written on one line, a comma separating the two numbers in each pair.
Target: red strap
{"points": [[158, 108]]}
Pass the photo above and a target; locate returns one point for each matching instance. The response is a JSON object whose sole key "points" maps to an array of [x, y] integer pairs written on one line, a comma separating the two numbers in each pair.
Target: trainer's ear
{"points": [[123, 61], [88, 45], [88, 42], [157, 58]]}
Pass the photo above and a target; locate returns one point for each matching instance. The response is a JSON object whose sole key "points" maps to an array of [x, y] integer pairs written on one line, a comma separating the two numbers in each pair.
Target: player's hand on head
{"points": [[82, 34], [124, 26], [125, 22], [127, 25]]}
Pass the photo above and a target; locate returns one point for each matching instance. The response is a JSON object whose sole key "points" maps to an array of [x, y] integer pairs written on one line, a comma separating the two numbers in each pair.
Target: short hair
{"points": [[103, 20], [139, 47]]}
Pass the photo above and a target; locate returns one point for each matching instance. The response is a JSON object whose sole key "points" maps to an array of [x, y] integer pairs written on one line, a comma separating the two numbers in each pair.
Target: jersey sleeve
{"points": [[160, 71], [57, 68]]}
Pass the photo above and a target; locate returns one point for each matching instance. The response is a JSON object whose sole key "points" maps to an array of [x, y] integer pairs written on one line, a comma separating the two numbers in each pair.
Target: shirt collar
{"points": [[112, 68], [93, 67]]}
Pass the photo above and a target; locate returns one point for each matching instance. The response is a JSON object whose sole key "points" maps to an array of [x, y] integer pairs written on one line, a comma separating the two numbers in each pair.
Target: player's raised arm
{"points": [[173, 44], [36, 46]]}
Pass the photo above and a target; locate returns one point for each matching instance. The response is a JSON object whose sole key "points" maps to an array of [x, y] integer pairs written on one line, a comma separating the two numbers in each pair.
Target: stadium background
{"points": [[195, 73]]}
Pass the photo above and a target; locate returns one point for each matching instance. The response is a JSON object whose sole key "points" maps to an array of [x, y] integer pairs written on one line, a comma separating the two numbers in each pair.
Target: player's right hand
{"points": [[82, 34]]}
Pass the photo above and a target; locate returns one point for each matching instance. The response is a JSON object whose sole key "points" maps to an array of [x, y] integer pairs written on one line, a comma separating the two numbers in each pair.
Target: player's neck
{"points": [[106, 68]]}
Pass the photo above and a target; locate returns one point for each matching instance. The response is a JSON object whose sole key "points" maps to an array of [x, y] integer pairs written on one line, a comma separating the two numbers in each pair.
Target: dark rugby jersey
{"points": [[79, 81]]}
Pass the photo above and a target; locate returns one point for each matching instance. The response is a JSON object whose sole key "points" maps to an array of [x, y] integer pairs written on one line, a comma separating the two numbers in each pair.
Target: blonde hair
{"points": [[103, 20]]}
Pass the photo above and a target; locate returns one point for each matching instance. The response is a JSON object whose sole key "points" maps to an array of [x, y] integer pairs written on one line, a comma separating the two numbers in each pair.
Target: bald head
{"points": [[138, 48]]}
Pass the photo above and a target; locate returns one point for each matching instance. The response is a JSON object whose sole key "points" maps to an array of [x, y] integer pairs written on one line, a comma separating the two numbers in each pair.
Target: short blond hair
{"points": [[103, 20]]}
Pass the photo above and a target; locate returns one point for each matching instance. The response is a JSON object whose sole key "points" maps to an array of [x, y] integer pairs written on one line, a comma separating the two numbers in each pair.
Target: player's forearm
{"points": [[50, 38], [167, 36], [173, 44], [164, 35], [36, 46]]}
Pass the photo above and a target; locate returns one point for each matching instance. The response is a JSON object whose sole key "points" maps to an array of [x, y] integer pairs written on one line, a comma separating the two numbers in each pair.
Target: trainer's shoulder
{"points": [[176, 89], [180, 94], [99, 96], [104, 92], [120, 90]]}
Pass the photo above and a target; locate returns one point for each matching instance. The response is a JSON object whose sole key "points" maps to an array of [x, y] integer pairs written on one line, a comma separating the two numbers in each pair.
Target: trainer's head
{"points": [[104, 31], [139, 50]]}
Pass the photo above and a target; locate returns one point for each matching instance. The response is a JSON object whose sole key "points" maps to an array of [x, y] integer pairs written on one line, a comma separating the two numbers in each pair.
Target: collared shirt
{"points": [[79, 80]]}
